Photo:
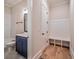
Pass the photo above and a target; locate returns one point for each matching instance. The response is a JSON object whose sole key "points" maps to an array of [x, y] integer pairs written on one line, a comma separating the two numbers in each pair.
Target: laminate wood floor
{"points": [[55, 52]]}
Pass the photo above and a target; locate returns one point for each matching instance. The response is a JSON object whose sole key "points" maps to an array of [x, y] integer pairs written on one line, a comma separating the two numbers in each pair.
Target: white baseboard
{"points": [[38, 54], [72, 53]]}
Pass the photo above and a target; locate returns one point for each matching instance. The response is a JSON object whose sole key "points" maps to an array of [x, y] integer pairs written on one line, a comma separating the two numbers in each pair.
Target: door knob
{"points": [[43, 33]]}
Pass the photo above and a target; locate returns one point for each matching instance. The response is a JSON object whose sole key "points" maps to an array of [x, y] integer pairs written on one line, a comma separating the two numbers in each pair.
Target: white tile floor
{"points": [[10, 53]]}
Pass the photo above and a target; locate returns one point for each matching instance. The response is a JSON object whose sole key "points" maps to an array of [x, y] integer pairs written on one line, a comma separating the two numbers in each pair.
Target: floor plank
{"points": [[55, 52]]}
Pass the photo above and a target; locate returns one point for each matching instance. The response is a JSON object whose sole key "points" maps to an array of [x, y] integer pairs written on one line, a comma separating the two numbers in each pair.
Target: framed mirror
{"points": [[25, 22]]}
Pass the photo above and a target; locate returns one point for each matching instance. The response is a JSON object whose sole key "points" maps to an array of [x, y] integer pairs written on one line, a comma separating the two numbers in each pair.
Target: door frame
{"points": [[29, 29]]}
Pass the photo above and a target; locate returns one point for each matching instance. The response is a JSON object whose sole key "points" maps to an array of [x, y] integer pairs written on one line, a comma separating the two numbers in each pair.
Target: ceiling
{"points": [[54, 2], [11, 3]]}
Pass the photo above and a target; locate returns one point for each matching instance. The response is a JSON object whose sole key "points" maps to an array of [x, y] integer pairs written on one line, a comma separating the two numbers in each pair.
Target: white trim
{"points": [[38, 54], [29, 28], [71, 52]]}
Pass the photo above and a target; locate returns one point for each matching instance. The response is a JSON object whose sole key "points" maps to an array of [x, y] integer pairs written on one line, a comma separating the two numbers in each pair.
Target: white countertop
{"points": [[23, 34]]}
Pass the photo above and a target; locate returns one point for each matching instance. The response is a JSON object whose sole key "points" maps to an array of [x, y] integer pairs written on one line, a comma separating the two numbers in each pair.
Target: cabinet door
{"points": [[19, 44], [24, 47]]}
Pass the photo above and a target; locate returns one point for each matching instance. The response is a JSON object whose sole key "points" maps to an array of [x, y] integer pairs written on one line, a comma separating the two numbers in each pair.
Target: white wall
{"points": [[18, 16], [59, 12], [7, 24], [72, 27], [59, 22], [36, 33]]}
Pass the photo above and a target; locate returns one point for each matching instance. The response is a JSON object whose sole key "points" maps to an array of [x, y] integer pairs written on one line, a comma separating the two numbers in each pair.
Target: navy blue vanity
{"points": [[21, 45]]}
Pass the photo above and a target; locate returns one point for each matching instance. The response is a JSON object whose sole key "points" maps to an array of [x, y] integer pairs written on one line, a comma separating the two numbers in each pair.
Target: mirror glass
{"points": [[25, 22]]}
